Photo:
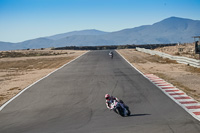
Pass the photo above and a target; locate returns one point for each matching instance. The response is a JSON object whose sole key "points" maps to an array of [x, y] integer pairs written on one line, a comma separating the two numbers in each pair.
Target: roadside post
{"points": [[197, 45]]}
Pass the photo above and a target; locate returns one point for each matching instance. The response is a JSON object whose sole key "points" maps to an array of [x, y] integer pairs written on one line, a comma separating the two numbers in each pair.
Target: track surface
{"points": [[71, 100]]}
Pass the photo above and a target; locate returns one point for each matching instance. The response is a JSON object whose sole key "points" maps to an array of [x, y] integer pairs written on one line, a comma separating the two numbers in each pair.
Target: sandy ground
{"points": [[18, 73], [182, 76]]}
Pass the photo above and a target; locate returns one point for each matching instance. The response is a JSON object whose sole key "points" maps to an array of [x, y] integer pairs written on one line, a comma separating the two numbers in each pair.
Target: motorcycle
{"points": [[120, 108], [111, 55]]}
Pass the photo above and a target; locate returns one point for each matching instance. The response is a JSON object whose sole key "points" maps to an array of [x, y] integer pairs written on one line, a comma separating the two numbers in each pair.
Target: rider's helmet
{"points": [[107, 96]]}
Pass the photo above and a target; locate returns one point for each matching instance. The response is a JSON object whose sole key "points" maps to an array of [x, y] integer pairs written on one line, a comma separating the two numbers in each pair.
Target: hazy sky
{"points": [[21, 20]]}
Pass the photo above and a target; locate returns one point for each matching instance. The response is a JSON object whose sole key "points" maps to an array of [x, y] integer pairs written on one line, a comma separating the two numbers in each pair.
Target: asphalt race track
{"points": [[71, 100]]}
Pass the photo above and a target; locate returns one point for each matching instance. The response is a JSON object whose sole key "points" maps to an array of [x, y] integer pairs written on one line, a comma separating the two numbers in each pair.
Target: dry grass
{"points": [[21, 67], [30, 53], [14, 88], [192, 69], [158, 59], [41, 63], [152, 58], [2, 98]]}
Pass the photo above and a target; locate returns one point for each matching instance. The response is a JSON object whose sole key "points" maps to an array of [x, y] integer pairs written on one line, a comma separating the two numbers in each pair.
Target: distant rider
{"points": [[111, 54]]}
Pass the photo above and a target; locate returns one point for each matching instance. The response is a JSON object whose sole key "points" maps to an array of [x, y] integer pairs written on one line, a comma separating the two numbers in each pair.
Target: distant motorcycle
{"points": [[111, 54], [120, 108]]}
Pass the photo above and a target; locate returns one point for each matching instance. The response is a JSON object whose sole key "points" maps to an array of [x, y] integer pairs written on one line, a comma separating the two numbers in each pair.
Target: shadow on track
{"points": [[137, 115]]}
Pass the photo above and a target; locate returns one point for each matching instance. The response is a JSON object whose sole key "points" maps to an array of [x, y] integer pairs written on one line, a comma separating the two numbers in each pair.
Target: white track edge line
{"points": [[176, 101], [130, 64], [10, 100]]}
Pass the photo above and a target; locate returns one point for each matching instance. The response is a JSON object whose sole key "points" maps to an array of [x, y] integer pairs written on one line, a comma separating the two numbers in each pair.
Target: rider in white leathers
{"points": [[110, 99]]}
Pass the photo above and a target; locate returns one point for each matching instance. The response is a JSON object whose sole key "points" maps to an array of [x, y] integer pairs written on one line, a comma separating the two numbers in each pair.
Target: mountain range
{"points": [[169, 30]]}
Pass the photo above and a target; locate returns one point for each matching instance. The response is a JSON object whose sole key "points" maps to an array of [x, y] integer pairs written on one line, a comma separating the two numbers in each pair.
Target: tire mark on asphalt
{"points": [[114, 88]]}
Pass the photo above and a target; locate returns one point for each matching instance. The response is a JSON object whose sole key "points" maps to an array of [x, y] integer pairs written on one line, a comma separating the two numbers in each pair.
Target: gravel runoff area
{"points": [[19, 69], [182, 76]]}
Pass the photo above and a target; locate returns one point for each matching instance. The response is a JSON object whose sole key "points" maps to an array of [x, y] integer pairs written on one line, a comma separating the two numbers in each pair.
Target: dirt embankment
{"points": [[182, 76], [186, 50], [19, 69]]}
